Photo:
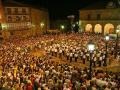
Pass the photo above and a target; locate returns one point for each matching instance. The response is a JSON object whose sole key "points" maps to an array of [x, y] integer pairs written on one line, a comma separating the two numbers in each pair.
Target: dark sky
{"points": [[60, 9]]}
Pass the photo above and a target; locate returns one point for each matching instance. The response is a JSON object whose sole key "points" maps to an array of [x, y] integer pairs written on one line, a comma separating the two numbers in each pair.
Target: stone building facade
{"points": [[20, 20], [102, 18]]}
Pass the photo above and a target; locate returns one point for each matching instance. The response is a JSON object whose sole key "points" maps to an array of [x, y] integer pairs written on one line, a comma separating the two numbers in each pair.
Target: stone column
{"points": [[93, 27], [103, 28], [115, 27]]}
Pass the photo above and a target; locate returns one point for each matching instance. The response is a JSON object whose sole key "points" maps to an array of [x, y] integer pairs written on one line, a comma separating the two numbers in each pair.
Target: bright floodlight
{"points": [[91, 46], [62, 27], [107, 37], [117, 31]]}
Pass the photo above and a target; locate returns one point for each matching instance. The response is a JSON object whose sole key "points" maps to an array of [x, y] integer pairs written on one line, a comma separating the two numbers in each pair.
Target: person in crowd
{"points": [[21, 70]]}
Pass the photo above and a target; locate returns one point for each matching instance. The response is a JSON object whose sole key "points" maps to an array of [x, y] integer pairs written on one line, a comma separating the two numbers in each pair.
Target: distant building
{"points": [[101, 17], [21, 20]]}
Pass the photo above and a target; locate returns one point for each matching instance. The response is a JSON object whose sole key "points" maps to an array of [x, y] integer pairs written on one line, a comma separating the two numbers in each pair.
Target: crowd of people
{"points": [[21, 70], [74, 48]]}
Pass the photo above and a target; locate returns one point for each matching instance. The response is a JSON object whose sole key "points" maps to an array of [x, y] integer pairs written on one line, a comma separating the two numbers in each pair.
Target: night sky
{"points": [[60, 9]]}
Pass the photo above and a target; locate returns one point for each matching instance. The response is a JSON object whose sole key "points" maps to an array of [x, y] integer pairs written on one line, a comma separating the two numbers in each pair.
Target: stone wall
{"points": [[39, 17]]}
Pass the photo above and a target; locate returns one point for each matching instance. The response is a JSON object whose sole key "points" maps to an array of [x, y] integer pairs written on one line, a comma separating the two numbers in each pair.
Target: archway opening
{"points": [[109, 29], [98, 28], [88, 28], [118, 26]]}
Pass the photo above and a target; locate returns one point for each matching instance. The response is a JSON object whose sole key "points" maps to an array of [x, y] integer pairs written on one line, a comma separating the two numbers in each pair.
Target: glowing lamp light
{"points": [[117, 31], [4, 26], [107, 37], [42, 24], [91, 46], [62, 27]]}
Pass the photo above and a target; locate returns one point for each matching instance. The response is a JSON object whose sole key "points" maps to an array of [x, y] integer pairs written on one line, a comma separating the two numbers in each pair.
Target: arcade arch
{"points": [[88, 28], [109, 28], [98, 28], [118, 27]]}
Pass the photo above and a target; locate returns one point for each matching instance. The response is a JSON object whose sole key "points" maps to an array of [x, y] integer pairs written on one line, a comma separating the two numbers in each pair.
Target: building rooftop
{"points": [[108, 4], [12, 3]]}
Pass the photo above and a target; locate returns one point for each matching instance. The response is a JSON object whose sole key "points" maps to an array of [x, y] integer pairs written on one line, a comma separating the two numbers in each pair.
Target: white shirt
{"points": [[81, 53], [47, 73], [84, 56], [60, 51], [100, 58], [55, 50], [71, 54], [95, 59], [87, 54], [103, 56], [73, 50], [67, 54], [66, 50], [76, 55]]}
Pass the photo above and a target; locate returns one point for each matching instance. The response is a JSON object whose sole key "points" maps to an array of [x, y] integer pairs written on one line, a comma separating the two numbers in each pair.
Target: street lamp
{"points": [[91, 48], [116, 46], [62, 27], [106, 45], [42, 26]]}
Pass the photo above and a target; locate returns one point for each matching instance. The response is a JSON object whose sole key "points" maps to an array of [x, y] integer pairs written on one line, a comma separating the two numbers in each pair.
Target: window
{"points": [[16, 10], [9, 19], [24, 18], [17, 18], [89, 17], [98, 16], [24, 10], [9, 10]]}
